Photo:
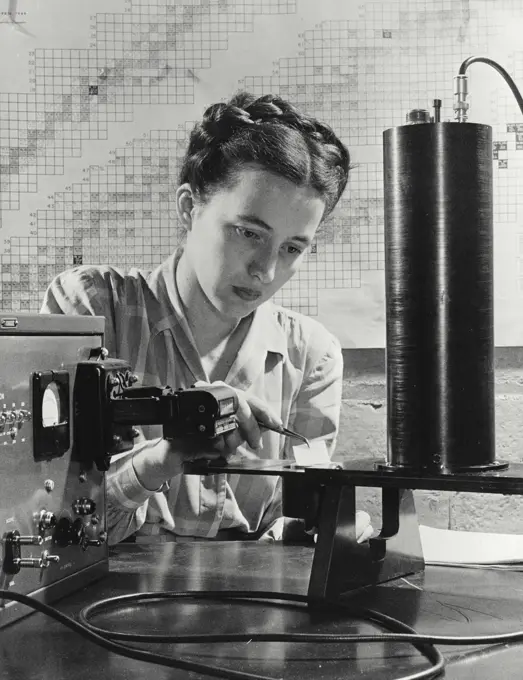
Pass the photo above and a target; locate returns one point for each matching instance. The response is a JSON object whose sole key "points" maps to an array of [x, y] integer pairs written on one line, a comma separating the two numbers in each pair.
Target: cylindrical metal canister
{"points": [[439, 297]]}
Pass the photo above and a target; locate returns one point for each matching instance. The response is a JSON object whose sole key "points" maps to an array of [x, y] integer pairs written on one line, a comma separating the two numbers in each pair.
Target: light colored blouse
{"points": [[287, 359]]}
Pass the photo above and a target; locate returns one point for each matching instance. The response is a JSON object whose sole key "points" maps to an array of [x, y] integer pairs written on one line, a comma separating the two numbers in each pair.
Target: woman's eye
{"points": [[292, 250], [247, 233]]}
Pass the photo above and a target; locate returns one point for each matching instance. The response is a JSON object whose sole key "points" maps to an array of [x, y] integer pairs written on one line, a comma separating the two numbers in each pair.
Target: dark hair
{"points": [[270, 132]]}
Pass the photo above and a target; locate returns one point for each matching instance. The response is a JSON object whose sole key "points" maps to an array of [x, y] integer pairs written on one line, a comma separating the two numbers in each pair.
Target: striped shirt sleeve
{"points": [[89, 291]]}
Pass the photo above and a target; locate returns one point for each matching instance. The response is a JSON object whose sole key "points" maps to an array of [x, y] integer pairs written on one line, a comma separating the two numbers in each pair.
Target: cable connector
{"points": [[461, 90]]}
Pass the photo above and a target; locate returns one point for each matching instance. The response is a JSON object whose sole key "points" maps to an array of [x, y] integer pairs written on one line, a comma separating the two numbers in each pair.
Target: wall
{"points": [[363, 435], [96, 107]]}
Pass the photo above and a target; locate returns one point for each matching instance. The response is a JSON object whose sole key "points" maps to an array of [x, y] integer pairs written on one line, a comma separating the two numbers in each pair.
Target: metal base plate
{"points": [[374, 473], [11, 611], [506, 480]]}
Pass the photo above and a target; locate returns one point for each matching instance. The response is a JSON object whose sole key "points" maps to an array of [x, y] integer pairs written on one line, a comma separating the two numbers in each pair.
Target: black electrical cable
{"points": [[124, 650], [103, 637], [485, 60], [100, 636], [411, 637]]}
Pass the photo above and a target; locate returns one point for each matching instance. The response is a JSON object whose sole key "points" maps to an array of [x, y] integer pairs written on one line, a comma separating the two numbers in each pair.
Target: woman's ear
{"points": [[184, 205]]}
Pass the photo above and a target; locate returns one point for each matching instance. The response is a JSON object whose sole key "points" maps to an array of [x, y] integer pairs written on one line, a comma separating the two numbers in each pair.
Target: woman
{"points": [[257, 180]]}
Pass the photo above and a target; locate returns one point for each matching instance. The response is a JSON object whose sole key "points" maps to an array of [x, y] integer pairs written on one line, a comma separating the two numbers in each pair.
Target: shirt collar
{"points": [[267, 329], [266, 332]]}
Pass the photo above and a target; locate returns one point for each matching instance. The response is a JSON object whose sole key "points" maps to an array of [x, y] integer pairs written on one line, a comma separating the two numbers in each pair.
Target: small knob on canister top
{"points": [[416, 116]]}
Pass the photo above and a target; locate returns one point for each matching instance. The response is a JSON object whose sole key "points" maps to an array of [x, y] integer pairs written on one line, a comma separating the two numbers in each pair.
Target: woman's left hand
{"points": [[293, 530]]}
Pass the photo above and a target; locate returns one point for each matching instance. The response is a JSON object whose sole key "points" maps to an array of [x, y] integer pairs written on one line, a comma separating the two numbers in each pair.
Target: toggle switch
{"points": [[28, 563], [45, 560], [27, 540], [48, 559], [97, 542]]}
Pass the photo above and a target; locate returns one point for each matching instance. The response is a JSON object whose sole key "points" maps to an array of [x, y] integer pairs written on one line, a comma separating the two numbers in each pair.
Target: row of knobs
{"points": [[14, 420], [74, 532], [66, 532], [81, 506]]}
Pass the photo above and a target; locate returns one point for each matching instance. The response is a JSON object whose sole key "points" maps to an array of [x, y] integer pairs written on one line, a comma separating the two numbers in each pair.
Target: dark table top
{"points": [[441, 600]]}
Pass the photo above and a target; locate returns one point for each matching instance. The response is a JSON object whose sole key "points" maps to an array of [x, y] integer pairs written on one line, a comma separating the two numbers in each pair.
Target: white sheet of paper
{"points": [[317, 454], [470, 547]]}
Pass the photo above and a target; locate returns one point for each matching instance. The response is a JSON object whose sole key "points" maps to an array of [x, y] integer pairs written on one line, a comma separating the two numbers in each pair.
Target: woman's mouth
{"points": [[247, 294]]}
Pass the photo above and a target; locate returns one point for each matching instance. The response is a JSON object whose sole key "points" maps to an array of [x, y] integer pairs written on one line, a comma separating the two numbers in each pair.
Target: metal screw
{"points": [[48, 485]]}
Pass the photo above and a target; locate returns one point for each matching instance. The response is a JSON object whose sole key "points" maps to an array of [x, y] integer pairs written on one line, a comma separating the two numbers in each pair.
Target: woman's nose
{"points": [[263, 266]]}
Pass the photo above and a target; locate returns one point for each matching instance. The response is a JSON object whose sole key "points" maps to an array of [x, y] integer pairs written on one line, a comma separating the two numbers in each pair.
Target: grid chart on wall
{"points": [[360, 74], [508, 157], [144, 57]]}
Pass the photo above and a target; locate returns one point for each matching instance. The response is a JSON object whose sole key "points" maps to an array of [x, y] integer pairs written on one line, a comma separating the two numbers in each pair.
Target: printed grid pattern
{"points": [[361, 76]]}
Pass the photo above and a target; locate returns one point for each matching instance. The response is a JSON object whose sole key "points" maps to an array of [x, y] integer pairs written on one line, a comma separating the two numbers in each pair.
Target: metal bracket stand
{"points": [[341, 565], [325, 497]]}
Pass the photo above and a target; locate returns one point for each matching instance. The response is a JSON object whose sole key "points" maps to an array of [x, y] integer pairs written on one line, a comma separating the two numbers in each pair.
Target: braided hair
{"points": [[271, 133]]}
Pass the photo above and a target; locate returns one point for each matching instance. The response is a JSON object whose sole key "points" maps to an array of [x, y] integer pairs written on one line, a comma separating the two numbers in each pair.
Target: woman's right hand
{"points": [[163, 459]]}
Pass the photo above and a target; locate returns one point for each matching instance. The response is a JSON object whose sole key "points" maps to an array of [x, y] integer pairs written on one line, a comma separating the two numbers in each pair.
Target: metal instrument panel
{"points": [[36, 494]]}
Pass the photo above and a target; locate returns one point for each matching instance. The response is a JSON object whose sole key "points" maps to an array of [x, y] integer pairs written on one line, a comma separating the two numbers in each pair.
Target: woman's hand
{"points": [[364, 528], [252, 412], [161, 460], [292, 530]]}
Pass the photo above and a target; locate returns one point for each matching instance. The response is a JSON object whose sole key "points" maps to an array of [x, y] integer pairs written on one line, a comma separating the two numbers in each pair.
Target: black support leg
{"points": [[342, 565]]}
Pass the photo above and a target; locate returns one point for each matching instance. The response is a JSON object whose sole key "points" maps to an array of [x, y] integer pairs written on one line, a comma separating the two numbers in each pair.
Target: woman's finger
{"points": [[251, 413], [232, 440], [263, 414]]}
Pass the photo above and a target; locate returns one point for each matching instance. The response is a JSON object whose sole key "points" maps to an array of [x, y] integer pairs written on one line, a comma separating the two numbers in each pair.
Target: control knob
{"points": [[84, 506]]}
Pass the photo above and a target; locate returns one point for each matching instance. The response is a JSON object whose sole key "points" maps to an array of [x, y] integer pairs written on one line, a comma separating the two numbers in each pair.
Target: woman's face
{"points": [[247, 241]]}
